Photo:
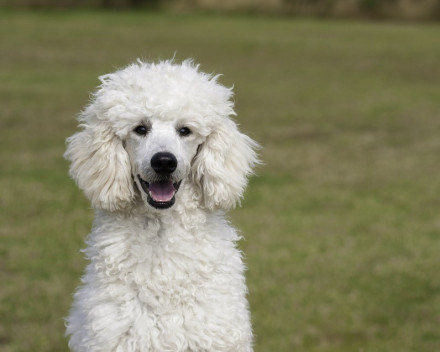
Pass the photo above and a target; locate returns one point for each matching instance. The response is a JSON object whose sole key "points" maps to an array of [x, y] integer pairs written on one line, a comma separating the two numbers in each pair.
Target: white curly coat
{"points": [[161, 279]]}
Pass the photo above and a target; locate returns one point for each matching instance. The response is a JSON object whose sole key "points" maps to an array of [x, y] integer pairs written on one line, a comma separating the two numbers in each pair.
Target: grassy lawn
{"points": [[342, 223]]}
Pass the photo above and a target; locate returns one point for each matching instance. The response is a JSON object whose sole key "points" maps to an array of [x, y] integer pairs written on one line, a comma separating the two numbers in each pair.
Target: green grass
{"points": [[342, 223]]}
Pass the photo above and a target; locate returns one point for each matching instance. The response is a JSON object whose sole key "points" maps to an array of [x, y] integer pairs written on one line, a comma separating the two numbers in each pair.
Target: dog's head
{"points": [[151, 127]]}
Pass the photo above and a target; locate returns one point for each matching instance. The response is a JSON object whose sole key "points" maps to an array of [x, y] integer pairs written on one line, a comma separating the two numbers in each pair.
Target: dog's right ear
{"points": [[100, 165]]}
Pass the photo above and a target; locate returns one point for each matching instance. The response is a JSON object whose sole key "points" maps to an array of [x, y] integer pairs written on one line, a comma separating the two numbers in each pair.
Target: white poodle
{"points": [[160, 160]]}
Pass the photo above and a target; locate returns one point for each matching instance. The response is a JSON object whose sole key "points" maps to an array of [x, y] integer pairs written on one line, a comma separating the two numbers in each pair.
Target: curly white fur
{"points": [[161, 279]]}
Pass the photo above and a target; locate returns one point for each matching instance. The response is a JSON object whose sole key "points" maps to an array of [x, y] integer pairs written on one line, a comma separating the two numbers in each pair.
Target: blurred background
{"points": [[341, 223]]}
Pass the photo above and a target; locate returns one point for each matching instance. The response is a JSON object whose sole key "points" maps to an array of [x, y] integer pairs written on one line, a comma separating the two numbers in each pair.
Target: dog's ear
{"points": [[223, 164], [100, 165]]}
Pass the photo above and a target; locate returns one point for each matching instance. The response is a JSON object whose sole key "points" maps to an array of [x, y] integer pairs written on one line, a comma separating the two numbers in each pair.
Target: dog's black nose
{"points": [[163, 163]]}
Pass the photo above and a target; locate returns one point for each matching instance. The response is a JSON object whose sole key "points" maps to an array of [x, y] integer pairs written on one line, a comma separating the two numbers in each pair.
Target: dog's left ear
{"points": [[223, 164]]}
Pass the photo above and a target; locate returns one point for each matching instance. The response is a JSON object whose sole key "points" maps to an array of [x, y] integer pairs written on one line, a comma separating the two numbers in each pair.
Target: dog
{"points": [[161, 160]]}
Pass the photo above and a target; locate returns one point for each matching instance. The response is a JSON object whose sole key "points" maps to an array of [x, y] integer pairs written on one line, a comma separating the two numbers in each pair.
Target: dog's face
{"points": [[161, 154], [151, 127]]}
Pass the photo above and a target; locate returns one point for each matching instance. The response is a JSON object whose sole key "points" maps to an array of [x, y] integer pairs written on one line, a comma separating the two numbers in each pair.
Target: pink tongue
{"points": [[162, 191]]}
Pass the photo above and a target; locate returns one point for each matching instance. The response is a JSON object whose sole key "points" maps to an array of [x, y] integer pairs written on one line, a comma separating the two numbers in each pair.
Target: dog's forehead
{"points": [[162, 125], [178, 93]]}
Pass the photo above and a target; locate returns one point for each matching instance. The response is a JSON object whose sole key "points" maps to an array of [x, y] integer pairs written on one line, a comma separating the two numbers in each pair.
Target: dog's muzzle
{"points": [[161, 193]]}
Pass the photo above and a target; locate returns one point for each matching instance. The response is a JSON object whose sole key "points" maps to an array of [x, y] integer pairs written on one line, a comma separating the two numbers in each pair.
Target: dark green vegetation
{"points": [[342, 223], [418, 10]]}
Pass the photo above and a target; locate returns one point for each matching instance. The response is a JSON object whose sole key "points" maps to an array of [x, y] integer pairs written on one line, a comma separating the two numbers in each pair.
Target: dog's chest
{"points": [[166, 288], [167, 267], [173, 283], [177, 272]]}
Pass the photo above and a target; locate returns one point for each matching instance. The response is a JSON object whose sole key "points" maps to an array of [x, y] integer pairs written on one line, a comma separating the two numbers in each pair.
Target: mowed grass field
{"points": [[341, 223]]}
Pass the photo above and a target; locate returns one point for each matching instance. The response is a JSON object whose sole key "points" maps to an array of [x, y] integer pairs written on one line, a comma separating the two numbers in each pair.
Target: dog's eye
{"points": [[141, 130], [184, 131]]}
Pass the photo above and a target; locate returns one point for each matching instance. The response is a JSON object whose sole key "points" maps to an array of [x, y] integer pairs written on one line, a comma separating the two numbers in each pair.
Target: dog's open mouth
{"points": [[160, 194]]}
